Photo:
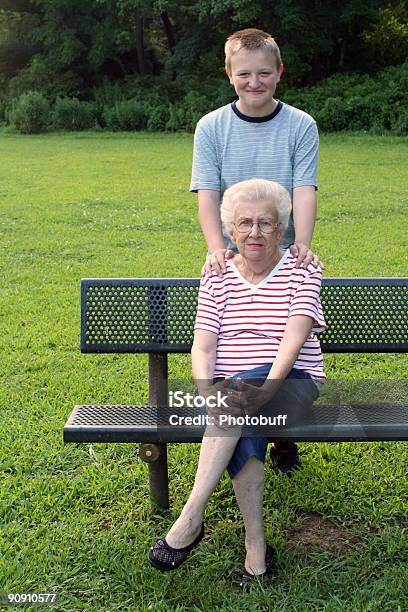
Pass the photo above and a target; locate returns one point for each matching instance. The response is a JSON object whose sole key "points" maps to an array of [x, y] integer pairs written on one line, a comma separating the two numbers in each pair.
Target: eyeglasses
{"points": [[266, 227]]}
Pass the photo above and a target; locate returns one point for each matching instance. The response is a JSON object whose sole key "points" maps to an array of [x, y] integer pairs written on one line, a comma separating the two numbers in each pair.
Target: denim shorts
{"points": [[295, 396]]}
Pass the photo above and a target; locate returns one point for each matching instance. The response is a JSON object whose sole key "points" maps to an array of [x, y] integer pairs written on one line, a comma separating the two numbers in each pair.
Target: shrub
{"points": [[30, 114], [399, 122], [71, 114], [333, 116], [128, 115], [177, 118], [109, 119], [158, 118], [3, 111], [355, 113], [357, 102], [360, 111], [196, 105], [46, 77]]}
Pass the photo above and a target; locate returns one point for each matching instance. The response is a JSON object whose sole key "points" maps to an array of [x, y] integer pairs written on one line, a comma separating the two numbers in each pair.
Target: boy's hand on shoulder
{"points": [[216, 261], [304, 255]]}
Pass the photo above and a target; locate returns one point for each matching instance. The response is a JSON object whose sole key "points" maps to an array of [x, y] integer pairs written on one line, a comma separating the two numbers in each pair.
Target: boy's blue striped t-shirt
{"points": [[230, 147]]}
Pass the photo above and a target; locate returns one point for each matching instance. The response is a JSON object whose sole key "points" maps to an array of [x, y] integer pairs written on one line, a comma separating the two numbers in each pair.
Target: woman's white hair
{"points": [[256, 190]]}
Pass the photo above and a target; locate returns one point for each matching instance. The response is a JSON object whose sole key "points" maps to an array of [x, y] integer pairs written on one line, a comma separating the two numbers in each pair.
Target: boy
{"points": [[256, 137]]}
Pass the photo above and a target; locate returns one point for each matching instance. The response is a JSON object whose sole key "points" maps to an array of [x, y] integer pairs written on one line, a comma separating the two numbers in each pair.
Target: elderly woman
{"points": [[259, 321]]}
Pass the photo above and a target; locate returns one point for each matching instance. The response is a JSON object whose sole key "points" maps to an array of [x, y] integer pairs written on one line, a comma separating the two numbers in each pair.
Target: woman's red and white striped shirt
{"points": [[249, 320]]}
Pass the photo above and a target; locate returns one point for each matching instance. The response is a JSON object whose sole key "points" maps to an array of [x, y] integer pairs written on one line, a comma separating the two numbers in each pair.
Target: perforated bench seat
{"points": [[156, 316], [127, 423]]}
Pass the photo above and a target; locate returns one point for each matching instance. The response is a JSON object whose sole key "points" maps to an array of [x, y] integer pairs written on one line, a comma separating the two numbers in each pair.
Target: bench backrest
{"points": [[364, 315]]}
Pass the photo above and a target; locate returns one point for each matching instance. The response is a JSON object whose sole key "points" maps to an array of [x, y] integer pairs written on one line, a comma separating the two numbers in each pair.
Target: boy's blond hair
{"points": [[250, 39]]}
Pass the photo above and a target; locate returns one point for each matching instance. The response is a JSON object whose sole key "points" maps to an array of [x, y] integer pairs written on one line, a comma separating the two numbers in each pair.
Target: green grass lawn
{"points": [[75, 519]]}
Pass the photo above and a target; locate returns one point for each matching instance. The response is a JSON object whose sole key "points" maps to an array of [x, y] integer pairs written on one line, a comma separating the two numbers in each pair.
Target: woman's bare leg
{"points": [[216, 451], [248, 487]]}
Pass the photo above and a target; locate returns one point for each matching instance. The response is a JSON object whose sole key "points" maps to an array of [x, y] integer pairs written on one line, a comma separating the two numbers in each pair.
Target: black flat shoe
{"points": [[270, 562], [166, 558], [285, 458]]}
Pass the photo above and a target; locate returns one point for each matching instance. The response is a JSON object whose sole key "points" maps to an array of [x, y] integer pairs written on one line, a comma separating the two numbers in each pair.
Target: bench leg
{"points": [[156, 456]]}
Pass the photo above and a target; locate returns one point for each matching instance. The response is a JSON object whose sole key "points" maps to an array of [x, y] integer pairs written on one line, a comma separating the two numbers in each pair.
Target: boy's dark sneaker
{"points": [[285, 457]]}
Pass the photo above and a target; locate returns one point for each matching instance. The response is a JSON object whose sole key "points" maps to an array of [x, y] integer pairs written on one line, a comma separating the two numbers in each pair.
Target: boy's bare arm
{"points": [[210, 221], [304, 216]]}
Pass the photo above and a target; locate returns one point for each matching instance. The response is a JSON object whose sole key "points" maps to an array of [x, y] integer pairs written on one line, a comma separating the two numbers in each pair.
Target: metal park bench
{"points": [[156, 316]]}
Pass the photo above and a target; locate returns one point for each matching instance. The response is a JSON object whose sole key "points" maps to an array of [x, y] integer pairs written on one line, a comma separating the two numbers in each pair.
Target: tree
{"points": [[67, 47], [16, 45], [388, 37]]}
